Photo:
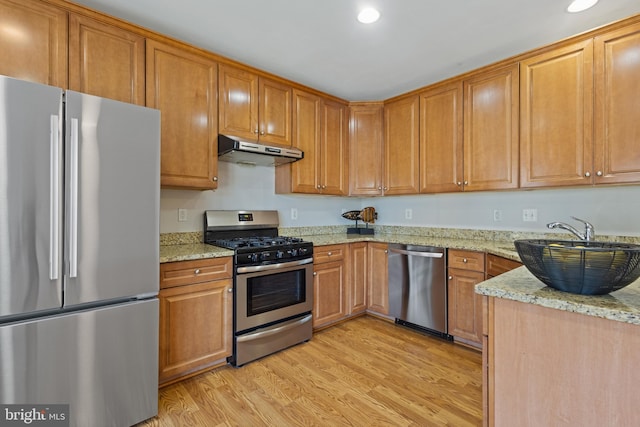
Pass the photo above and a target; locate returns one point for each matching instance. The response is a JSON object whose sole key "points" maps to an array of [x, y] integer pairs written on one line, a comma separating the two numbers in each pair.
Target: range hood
{"points": [[235, 150]]}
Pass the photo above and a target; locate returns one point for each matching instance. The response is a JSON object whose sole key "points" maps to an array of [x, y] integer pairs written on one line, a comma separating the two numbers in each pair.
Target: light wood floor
{"points": [[364, 372]]}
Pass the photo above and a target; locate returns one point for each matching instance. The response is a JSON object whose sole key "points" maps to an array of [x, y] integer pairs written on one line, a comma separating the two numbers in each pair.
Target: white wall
{"points": [[612, 210]]}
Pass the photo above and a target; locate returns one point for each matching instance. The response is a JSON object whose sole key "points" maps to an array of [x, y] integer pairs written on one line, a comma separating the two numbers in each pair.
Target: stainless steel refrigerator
{"points": [[79, 254]]}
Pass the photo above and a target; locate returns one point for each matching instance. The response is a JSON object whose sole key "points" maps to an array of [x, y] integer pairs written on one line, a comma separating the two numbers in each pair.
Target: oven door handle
{"points": [[256, 268], [268, 332]]}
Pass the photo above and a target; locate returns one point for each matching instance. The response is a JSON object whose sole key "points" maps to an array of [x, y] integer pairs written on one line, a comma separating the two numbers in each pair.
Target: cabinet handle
{"points": [[196, 271], [599, 173], [587, 174]]}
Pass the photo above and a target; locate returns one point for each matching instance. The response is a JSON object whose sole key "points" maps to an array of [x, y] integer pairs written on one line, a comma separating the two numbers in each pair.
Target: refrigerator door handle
{"points": [[73, 200], [54, 198]]}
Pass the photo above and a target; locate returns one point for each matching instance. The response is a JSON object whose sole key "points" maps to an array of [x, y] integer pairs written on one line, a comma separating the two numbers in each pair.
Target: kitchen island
{"points": [[554, 358]]}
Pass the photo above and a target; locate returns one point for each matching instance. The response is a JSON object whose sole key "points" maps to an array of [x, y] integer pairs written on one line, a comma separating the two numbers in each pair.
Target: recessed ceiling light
{"points": [[580, 5], [368, 15]]}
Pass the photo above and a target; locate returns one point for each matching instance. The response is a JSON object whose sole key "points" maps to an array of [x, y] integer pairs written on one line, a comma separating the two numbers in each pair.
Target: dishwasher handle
{"points": [[417, 253]]}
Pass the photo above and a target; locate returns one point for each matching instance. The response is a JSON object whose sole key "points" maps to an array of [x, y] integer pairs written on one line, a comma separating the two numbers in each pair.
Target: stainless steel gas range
{"points": [[273, 282]]}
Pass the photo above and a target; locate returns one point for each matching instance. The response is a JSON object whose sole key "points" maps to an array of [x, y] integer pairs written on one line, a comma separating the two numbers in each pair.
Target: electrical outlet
{"points": [[497, 215], [294, 213], [182, 215], [408, 213], [530, 215]]}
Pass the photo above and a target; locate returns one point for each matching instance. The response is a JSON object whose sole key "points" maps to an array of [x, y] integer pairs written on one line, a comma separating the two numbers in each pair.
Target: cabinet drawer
{"points": [[497, 265], [328, 253], [188, 272], [466, 260]]}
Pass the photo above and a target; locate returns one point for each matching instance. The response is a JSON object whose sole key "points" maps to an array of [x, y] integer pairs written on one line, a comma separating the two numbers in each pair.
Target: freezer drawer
{"points": [[103, 362]]}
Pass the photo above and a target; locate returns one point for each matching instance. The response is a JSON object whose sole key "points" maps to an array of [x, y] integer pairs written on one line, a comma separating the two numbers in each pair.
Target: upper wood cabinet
{"points": [[617, 91], [320, 131], [556, 122], [33, 42], [441, 141], [253, 107], [106, 61], [491, 145], [365, 149], [401, 146], [182, 85]]}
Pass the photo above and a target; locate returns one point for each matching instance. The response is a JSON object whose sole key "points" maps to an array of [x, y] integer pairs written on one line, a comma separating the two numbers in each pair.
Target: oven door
{"points": [[271, 293]]}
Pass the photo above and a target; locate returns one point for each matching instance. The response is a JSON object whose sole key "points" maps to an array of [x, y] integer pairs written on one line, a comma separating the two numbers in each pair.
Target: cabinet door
{"points": [[401, 146], [329, 299], [334, 170], [305, 173], [358, 275], [238, 92], [491, 130], [195, 327], [465, 306], [365, 150], [182, 85], [556, 121], [441, 142], [378, 283], [34, 42], [617, 91], [105, 60], [274, 112]]}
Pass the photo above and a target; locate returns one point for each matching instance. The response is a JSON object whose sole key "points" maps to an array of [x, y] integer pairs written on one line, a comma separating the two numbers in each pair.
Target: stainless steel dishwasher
{"points": [[418, 287]]}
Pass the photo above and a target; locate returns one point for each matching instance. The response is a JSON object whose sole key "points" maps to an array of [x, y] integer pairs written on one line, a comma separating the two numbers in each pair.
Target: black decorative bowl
{"points": [[581, 267]]}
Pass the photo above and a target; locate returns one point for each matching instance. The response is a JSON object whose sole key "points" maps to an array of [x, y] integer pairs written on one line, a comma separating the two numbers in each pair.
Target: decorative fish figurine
{"points": [[352, 215], [367, 214]]}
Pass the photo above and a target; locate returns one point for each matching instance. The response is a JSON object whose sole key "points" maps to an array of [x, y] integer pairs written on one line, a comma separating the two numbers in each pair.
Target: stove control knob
{"points": [[253, 257], [279, 254], [264, 256], [303, 251], [293, 252]]}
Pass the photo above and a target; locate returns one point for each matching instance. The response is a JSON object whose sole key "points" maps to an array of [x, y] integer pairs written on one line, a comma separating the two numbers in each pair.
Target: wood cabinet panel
{"points": [[401, 146], [329, 287], [189, 272], [466, 260], [182, 85], [106, 61], [33, 45], [617, 90], [274, 112], [358, 276], [465, 306], [378, 281], [491, 143], [496, 265], [195, 328], [365, 150], [327, 253], [441, 139], [334, 171], [556, 122]]}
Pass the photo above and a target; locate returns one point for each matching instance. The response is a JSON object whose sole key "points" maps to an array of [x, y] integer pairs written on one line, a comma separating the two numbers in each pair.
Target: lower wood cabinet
{"points": [[196, 304], [496, 265], [378, 281], [358, 275], [329, 285], [465, 270]]}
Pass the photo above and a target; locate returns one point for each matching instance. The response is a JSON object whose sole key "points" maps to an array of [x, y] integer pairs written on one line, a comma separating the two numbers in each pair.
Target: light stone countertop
{"points": [[520, 285]]}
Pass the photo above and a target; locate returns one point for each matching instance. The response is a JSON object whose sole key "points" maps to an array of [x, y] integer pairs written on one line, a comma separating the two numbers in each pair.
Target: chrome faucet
{"points": [[589, 231]]}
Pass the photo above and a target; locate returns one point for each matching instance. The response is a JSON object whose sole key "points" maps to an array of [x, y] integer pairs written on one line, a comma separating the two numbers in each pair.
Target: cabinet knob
{"points": [[385, 188], [380, 188], [196, 271], [450, 277], [329, 253], [255, 131], [464, 260], [587, 174], [466, 183], [324, 186], [215, 178], [319, 187], [458, 183], [599, 173], [262, 133], [386, 251], [230, 290], [315, 273]]}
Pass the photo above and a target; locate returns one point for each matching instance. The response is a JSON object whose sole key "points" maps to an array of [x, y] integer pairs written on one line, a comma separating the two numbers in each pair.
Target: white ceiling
{"points": [[320, 44]]}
